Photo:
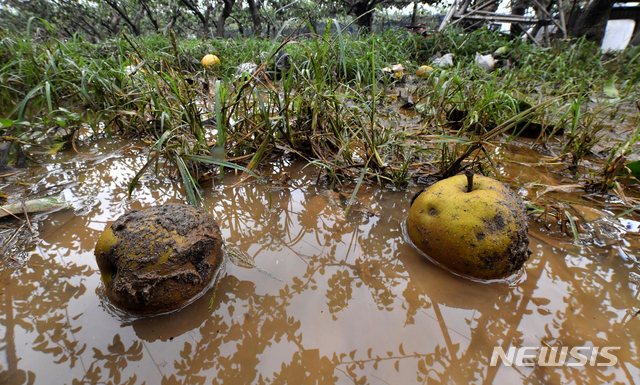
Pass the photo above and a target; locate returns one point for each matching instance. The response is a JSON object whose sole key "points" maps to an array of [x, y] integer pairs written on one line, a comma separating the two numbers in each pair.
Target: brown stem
{"points": [[469, 173]]}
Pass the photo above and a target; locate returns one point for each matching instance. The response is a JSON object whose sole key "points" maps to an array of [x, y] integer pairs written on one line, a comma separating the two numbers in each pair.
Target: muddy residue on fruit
{"points": [[157, 260]]}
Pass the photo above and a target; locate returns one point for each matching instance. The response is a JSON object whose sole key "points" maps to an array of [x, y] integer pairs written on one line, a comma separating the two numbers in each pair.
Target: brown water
{"points": [[356, 304]]}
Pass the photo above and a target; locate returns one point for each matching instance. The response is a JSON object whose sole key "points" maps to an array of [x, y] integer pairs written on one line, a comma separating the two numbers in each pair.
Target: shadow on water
{"points": [[357, 304]]}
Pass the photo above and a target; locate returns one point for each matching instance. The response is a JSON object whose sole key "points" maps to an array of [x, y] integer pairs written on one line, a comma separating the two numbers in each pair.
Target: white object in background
{"points": [[130, 70], [394, 68], [249, 68], [445, 61], [486, 62], [617, 34]]}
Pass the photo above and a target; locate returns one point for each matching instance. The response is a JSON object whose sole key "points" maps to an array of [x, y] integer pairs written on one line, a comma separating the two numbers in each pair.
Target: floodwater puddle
{"points": [[354, 303]]}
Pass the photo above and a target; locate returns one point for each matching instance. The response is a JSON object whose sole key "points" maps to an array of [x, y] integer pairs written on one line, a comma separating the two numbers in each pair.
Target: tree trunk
{"points": [[138, 18], [175, 14], [149, 13], [361, 10], [414, 14], [95, 33], [593, 20], [204, 18], [135, 30], [254, 9], [226, 12], [207, 16], [540, 14], [240, 26]]}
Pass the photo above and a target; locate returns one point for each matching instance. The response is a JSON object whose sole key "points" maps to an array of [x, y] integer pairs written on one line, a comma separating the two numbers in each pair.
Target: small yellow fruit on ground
{"points": [[423, 71], [210, 60], [481, 233]]}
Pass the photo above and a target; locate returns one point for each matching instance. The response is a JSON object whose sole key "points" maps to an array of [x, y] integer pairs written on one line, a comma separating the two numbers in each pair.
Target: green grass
{"points": [[330, 108]]}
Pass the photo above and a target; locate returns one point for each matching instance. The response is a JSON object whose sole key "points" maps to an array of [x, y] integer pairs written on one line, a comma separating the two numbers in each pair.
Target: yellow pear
{"points": [[210, 60], [423, 71], [480, 233]]}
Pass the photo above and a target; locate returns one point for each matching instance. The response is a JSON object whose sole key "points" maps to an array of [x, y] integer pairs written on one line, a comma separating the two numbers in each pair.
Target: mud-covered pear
{"points": [[159, 259], [473, 225]]}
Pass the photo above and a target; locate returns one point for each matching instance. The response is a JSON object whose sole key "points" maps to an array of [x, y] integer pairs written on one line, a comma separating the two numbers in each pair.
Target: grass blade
{"points": [[355, 190], [204, 159], [574, 229], [189, 184], [137, 177]]}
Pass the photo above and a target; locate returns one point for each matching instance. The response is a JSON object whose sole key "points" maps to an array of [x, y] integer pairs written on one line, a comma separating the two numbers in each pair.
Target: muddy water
{"points": [[354, 303]]}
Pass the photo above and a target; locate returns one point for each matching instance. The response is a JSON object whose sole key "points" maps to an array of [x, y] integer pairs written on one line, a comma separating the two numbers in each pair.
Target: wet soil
{"points": [[356, 302]]}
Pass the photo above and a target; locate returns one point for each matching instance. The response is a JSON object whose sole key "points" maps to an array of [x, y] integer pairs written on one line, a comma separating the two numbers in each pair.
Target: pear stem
{"points": [[469, 173]]}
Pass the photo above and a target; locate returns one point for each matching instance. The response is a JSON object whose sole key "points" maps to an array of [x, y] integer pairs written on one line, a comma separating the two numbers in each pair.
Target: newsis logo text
{"points": [[554, 356]]}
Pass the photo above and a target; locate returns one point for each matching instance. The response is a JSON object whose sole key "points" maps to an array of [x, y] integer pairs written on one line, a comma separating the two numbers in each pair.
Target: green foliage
{"points": [[330, 106]]}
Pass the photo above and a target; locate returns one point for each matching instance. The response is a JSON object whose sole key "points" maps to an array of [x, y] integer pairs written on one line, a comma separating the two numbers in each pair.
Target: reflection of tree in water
{"points": [[284, 227], [343, 257], [35, 298], [264, 319], [499, 313], [36, 295], [115, 361], [263, 322], [591, 317]]}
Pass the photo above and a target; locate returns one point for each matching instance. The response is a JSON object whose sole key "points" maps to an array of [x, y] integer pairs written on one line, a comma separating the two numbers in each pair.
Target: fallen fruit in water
{"points": [[159, 259], [210, 60], [479, 232]]}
